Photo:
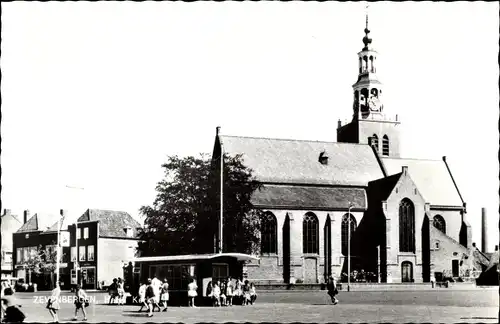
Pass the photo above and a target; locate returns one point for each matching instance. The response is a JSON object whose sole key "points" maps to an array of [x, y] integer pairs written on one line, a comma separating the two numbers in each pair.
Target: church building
{"points": [[406, 216]]}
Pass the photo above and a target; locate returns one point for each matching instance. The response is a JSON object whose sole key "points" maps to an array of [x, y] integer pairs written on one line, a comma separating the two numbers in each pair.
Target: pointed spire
{"points": [[366, 40]]}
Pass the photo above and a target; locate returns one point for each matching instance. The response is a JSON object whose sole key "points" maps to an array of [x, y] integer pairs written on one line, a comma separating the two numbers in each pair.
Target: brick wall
{"points": [[446, 250], [405, 188]]}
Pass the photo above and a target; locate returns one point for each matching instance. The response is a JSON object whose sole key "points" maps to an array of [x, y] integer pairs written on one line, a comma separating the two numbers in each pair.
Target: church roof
{"points": [[431, 177], [296, 161], [309, 197]]}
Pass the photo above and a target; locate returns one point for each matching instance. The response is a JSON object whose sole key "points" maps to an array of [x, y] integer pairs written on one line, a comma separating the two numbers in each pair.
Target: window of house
{"points": [[406, 226], [90, 253], [345, 231], [437, 245], [26, 254], [385, 145], [73, 254], [129, 232], [78, 234], [19, 255], [439, 223], [7, 257], [85, 233], [81, 253], [268, 234], [310, 234]]}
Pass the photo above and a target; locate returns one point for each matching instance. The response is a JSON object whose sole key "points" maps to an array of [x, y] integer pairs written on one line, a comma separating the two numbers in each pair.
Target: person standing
{"points": [[192, 292], [229, 292], [53, 304], [120, 291], [216, 294], [253, 293], [81, 301], [433, 280], [164, 295]]}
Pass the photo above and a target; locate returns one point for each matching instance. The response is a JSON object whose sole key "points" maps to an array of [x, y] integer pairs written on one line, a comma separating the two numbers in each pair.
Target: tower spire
{"points": [[366, 40]]}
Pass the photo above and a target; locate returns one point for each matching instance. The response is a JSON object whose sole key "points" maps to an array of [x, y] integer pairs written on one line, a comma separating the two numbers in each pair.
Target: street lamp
{"points": [[349, 247], [77, 263]]}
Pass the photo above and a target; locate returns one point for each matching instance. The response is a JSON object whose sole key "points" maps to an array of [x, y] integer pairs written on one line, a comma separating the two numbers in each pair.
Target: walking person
{"points": [[164, 295], [53, 304], [142, 296], [332, 290], [156, 283], [192, 292], [81, 301], [113, 291], [150, 298], [433, 280]]}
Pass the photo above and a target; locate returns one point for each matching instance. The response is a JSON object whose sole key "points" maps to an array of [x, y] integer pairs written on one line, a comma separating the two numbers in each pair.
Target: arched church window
{"points": [[371, 64], [310, 234], [365, 63], [345, 231], [268, 233], [385, 145], [375, 141], [439, 223], [406, 226]]}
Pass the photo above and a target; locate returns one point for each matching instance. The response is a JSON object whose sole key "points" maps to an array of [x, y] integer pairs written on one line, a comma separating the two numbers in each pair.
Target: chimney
{"points": [[496, 248], [404, 169], [484, 235], [339, 124], [63, 212], [217, 130], [26, 216]]}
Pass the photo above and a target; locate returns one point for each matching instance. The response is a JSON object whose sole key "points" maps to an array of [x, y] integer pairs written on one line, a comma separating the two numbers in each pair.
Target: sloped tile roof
{"points": [[296, 161], [431, 177], [111, 223], [39, 222], [309, 197]]}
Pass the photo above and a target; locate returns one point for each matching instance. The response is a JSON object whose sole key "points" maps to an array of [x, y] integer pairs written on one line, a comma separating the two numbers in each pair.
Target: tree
{"points": [[184, 216], [34, 262], [49, 258]]}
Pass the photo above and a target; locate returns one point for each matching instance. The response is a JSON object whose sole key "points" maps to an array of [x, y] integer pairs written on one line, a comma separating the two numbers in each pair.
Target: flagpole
{"points": [[221, 195], [58, 246]]}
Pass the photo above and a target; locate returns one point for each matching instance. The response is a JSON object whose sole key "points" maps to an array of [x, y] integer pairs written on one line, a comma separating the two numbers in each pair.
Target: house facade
{"points": [[105, 242], [9, 225]]}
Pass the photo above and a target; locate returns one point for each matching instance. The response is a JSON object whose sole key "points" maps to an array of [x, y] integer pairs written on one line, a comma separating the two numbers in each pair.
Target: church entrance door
{"points": [[310, 270], [406, 272]]}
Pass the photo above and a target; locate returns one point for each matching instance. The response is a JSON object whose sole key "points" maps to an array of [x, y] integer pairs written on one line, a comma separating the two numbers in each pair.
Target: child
{"points": [[53, 303], [150, 298], [120, 291], [229, 292], [246, 293], [192, 287], [164, 295], [216, 295], [81, 301], [253, 293], [142, 296], [223, 294]]}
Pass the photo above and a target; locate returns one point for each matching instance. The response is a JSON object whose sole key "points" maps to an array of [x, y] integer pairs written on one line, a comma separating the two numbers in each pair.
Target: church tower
{"points": [[369, 123]]}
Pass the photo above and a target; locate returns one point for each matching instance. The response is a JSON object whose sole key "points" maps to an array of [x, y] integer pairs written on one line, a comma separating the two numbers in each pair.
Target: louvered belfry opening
{"points": [[406, 226]]}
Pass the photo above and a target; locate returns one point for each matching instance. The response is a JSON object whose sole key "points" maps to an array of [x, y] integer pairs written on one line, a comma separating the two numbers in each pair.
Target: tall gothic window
{"points": [[268, 234], [375, 141], [439, 223], [406, 226], [385, 145], [310, 234], [345, 231]]}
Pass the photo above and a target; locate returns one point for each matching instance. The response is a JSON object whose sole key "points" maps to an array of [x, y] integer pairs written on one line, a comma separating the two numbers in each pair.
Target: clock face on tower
{"points": [[374, 104]]}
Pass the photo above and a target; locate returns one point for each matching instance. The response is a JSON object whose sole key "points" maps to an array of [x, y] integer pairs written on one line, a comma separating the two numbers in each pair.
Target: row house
{"points": [[9, 225]]}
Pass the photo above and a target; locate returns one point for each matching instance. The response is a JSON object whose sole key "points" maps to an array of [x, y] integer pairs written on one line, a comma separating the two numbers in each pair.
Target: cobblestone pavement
{"points": [[443, 306]]}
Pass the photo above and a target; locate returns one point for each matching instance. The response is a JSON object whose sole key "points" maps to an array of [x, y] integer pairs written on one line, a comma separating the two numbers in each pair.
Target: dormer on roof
{"points": [[323, 158], [129, 231]]}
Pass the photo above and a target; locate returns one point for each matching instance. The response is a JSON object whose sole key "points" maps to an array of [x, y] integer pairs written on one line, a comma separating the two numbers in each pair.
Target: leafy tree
{"points": [[34, 262], [184, 216]]}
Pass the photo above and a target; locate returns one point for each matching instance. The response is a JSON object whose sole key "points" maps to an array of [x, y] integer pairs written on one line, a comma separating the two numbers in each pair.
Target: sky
{"points": [[97, 95]]}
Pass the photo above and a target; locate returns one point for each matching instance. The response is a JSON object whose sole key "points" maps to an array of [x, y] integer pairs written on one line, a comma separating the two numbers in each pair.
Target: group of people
{"points": [[225, 292], [117, 291], [81, 302], [154, 295]]}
